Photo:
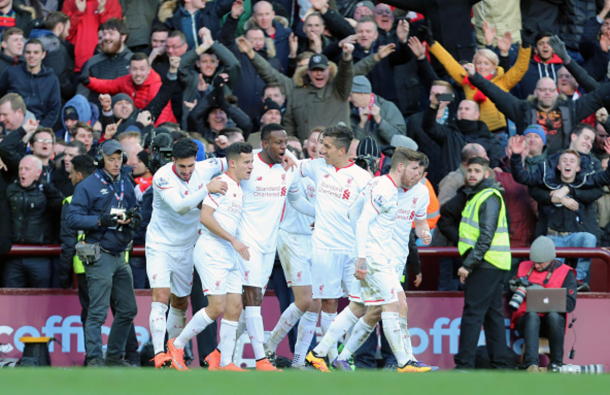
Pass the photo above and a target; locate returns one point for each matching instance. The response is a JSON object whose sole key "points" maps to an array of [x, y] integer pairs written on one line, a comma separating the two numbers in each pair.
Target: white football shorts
{"points": [[295, 255], [332, 272], [170, 268], [218, 267]]}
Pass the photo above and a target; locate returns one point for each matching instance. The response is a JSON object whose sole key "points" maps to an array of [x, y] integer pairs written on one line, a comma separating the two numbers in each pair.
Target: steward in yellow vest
{"points": [[485, 249]]}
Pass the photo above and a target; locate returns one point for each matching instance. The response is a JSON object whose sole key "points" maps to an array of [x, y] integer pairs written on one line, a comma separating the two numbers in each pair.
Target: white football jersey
{"points": [[381, 202], [336, 189], [167, 227], [227, 209], [264, 199], [412, 205], [294, 221]]}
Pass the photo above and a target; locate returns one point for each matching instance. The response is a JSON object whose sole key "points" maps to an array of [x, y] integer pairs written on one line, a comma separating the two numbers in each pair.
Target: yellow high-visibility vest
{"points": [[499, 251]]}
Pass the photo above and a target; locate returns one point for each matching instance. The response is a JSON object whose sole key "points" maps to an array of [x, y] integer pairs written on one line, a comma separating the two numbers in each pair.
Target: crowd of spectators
{"points": [[523, 84]]}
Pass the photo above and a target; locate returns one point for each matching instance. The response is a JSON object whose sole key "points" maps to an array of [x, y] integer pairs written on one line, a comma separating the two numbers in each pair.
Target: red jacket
{"points": [[141, 95], [84, 25]]}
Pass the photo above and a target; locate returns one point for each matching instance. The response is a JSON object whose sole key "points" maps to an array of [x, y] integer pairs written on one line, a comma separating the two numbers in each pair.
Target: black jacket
{"points": [[5, 221], [450, 21], [32, 212], [526, 112], [13, 149], [39, 91], [67, 238], [249, 89], [577, 13], [455, 134], [105, 67], [541, 15], [210, 17], [596, 60], [60, 179]]}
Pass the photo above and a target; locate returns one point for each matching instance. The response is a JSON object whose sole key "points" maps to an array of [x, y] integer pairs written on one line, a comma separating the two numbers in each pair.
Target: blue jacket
{"points": [[90, 197], [39, 91]]}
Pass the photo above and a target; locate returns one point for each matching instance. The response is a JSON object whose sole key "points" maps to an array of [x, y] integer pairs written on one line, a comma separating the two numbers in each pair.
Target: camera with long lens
{"points": [[367, 162], [161, 148], [578, 369], [519, 287]]}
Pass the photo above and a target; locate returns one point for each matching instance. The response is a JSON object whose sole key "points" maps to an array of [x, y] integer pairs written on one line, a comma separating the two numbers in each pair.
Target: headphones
{"points": [[99, 157]]}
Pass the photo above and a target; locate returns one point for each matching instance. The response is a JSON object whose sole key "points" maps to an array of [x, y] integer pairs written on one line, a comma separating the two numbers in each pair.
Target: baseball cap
{"points": [[110, 147], [318, 61]]}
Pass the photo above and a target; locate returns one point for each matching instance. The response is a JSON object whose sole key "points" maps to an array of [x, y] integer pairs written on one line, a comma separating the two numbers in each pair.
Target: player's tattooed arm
{"points": [[361, 270]]}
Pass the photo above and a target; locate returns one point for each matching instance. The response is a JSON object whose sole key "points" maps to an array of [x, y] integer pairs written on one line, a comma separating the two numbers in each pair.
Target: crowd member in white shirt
{"points": [[178, 188], [338, 182]]}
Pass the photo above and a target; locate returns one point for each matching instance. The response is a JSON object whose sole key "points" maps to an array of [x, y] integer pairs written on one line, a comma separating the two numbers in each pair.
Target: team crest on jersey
{"points": [[415, 201], [284, 177], [200, 186], [322, 289], [299, 276], [217, 285], [155, 277], [326, 176], [349, 181], [247, 274], [186, 193], [104, 191]]}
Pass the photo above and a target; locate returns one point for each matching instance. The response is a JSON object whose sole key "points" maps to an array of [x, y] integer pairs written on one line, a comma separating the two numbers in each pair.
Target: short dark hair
{"points": [[115, 24], [252, 28], [81, 125], [579, 127], [230, 132], [82, 148], [35, 41], [83, 164], [541, 35], [42, 130], [55, 18], [341, 134], [478, 160], [159, 27], [185, 148], [235, 149], [367, 18], [139, 56], [178, 33], [269, 128], [9, 32]]}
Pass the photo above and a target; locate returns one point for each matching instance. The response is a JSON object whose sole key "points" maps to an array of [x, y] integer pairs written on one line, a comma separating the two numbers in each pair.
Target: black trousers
{"points": [[552, 325], [483, 306]]}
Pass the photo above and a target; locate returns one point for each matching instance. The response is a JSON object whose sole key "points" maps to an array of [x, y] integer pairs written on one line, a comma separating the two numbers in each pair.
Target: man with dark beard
{"points": [[112, 62]]}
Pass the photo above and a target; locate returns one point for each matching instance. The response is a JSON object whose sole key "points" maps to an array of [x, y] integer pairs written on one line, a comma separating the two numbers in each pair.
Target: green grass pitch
{"points": [[199, 382]]}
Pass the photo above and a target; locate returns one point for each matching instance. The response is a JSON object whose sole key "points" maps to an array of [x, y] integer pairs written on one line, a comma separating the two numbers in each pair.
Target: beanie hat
{"points": [[399, 140], [270, 104], [542, 250], [368, 146], [539, 130], [361, 84], [143, 156], [121, 96]]}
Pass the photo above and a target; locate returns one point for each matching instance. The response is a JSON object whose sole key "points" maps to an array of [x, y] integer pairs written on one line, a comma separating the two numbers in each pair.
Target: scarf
{"points": [[479, 97]]}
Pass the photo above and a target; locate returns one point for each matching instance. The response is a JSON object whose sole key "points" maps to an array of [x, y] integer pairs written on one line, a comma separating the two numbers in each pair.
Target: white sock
{"points": [[197, 324], [393, 334], [228, 338], [241, 324], [176, 319], [360, 334], [157, 325], [289, 318], [254, 323], [341, 324], [404, 329], [307, 328]]}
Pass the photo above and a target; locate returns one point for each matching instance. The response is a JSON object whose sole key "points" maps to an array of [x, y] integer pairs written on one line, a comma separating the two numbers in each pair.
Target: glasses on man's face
{"points": [[44, 141]]}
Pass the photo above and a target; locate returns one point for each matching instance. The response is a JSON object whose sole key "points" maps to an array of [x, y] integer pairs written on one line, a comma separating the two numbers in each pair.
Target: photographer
{"points": [[542, 270], [104, 207]]}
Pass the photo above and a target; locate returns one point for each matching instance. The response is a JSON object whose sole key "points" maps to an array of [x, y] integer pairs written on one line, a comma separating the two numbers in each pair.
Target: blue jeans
{"points": [[578, 239]]}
